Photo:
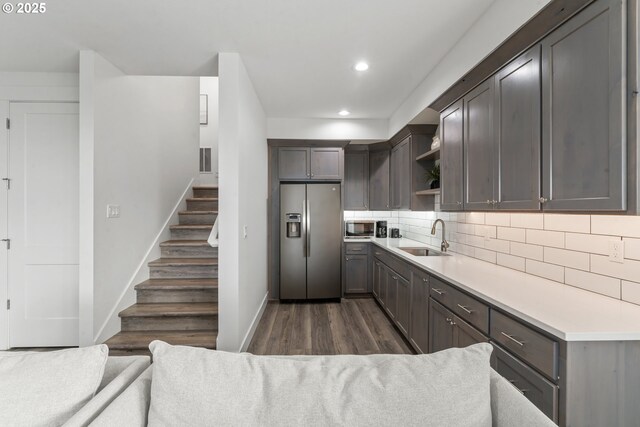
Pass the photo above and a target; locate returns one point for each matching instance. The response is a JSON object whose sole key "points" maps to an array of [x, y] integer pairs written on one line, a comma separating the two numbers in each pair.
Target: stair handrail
{"points": [[213, 237]]}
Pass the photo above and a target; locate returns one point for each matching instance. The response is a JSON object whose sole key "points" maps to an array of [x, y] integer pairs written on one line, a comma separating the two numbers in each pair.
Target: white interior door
{"points": [[43, 224], [4, 275]]}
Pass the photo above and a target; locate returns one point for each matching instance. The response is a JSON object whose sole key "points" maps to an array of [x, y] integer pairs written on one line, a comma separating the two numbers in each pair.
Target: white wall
{"points": [[337, 129], [500, 20], [145, 142], [243, 203], [19, 86], [209, 132]]}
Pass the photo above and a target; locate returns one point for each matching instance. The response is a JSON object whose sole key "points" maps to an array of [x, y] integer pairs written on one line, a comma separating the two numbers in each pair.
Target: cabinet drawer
{"points": [[401, 267], [533, 347], [540, 391], [357, 248], [465, 306]]}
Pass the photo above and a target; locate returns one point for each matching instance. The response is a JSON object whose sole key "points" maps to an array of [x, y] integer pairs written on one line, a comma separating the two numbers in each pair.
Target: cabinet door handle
{"points": [[347, 259], [523, 391], [424, 280], [438, 291], [488, 202], [520, 343], [395, 277], [542, 200], [465, 309]]}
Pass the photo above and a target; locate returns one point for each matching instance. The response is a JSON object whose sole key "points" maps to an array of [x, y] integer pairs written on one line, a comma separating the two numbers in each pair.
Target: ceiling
{"points": [[298, 53]]}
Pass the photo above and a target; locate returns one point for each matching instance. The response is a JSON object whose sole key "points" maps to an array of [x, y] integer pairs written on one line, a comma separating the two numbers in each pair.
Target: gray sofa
{"points": [[119, 373], [509, 407]]}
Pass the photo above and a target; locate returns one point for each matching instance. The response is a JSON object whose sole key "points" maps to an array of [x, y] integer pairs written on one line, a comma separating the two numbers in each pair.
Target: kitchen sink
{"points": [[422, 252]]}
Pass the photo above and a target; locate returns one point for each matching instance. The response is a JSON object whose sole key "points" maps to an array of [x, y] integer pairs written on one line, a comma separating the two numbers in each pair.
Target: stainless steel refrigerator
{"points": [[310, 241]]}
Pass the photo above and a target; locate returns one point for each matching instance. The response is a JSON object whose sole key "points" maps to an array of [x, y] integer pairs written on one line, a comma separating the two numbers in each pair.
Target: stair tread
{"points": [[177, 284], [137, 340], [171, 310], [191, 226], [203, 199], [164, 262], [184, 243], [187, 212]]}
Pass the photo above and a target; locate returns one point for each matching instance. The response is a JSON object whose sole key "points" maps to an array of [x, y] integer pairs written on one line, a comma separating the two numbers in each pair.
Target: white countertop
{"points": [[569, 313]]}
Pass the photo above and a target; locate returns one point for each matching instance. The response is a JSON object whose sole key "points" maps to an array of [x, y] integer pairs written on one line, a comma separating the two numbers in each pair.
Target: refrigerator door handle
{"points": [[304, 228], [308, 229]]}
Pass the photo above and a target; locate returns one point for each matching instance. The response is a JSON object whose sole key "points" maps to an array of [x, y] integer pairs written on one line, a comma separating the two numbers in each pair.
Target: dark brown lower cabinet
{"points": [[540, 391], [440, 327], [403, 313], [419, 322], [379, 281], [391, 301], [356, 273], [446, 330]]}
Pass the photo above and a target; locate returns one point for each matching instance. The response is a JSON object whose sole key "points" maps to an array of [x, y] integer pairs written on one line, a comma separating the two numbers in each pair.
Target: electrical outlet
{"points": [[113, 211], [616, 251], [244, 231]]}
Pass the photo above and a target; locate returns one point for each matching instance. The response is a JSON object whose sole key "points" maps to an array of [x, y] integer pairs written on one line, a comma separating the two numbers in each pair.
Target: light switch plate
{"points": [[616, 251], [113, 211]]}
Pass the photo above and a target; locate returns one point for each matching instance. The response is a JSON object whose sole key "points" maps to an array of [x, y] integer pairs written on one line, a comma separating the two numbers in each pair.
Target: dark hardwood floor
{"points": [[352, 326]]}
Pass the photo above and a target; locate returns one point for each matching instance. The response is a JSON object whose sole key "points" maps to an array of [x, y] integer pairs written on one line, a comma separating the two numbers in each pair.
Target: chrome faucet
{"points": [[444, 245]]}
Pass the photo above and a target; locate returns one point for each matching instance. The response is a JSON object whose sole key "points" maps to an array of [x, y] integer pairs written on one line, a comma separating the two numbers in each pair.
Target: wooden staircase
{"points": [[179, 302]]}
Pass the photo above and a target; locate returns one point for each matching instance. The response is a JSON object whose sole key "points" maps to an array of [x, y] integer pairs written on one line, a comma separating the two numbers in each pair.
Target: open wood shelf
{"points": [[431, 192], [432, 154]]}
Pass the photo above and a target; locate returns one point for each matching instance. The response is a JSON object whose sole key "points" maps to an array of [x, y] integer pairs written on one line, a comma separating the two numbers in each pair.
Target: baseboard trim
{"points": [[254, 324], [143, 262]]}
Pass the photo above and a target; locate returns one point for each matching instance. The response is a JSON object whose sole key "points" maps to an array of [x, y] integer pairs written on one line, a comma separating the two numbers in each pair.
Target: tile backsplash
{"points": [[569, 249]]}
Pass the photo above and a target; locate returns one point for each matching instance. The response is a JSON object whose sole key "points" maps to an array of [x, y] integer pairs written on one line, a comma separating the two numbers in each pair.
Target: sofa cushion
{"points": [[47, 388], [198, 387]]}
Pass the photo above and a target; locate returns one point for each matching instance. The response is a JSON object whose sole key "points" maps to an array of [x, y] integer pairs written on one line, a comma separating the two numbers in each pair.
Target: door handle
{"points": [[308, 228], [520, 343], [304, 228], [465, 309]]}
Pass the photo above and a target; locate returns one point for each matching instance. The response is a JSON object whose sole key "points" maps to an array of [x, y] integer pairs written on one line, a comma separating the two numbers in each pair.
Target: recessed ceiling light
{"points": [[344, 112], [361, 66]]}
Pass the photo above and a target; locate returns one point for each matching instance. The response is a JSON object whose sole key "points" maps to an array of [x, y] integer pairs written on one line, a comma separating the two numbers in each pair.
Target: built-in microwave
{"points": [[359, 229]]}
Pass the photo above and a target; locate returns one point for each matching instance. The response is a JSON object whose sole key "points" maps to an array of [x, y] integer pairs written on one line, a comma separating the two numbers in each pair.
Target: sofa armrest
{"points": [[120, 372], [131, 408], [510, 408]]}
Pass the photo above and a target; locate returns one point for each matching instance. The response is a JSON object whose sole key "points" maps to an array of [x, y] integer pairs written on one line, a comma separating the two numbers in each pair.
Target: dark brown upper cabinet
{"points": [[293, 163], [518, 133], [502, 138], [401, 175], [547, 131], [583, 92], [478, 148], [451, 157], [310, 163], [379, 180], [356, 180]]}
